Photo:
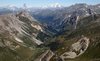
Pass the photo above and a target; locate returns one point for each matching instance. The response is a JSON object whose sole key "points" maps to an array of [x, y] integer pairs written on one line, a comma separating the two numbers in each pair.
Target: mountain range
{"points": [[50, 34]]}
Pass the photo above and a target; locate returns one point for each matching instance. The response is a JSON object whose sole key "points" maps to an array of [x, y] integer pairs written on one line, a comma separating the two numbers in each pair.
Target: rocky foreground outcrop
{"points": [[76, 49]]}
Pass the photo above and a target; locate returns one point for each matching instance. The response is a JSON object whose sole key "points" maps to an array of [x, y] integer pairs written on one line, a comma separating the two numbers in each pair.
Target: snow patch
{"points": [[56, 5]]}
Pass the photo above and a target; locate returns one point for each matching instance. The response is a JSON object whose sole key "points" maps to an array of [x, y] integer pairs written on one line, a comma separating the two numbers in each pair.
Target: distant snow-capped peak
{"points": [[56, 5]]}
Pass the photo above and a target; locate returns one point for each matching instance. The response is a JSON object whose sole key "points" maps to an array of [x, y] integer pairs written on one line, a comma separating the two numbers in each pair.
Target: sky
{"points": [[44, 3]]}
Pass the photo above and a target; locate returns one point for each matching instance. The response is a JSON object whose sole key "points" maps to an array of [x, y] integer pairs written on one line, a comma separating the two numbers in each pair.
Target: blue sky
{"points": [[41, 3]]}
